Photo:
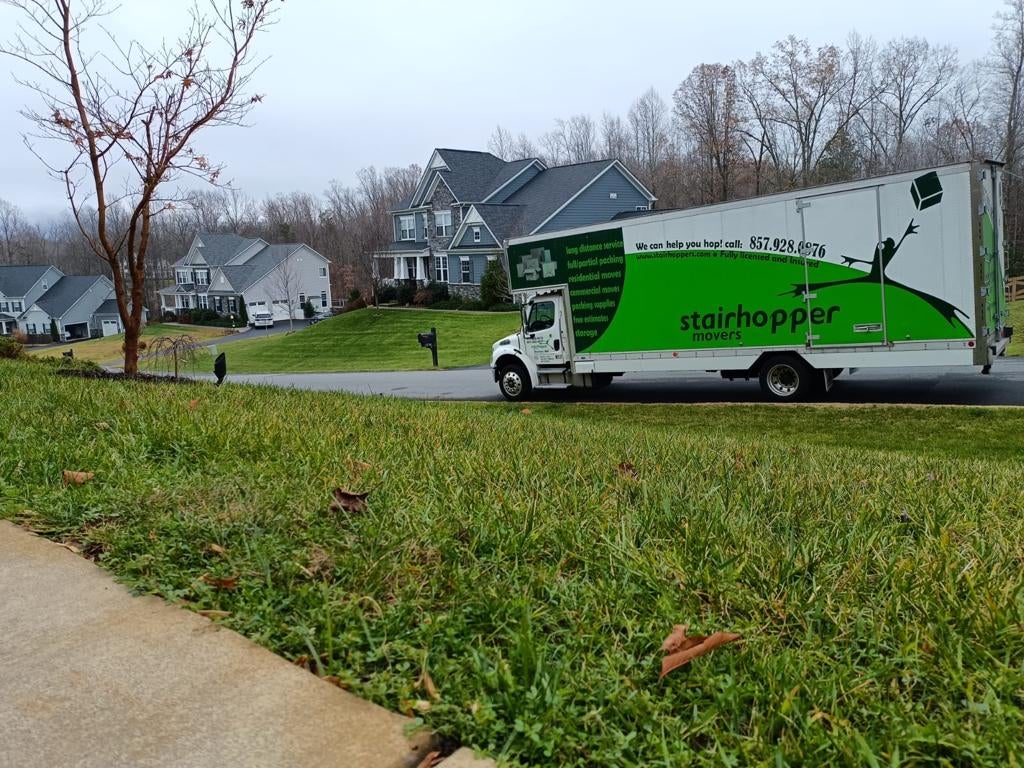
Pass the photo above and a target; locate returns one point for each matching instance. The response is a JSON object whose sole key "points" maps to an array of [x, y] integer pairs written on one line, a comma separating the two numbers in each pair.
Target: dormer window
{"points": [[442, 223], [183, 276], [476, 234], [407, 227]]}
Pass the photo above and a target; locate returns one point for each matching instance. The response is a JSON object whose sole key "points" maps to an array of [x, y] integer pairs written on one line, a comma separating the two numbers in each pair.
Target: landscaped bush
{"points": [[19, 336], [10, 348], [505, 306], [494, 285], [307, 309], [455, 302], [356, 303], [54, 333], [406, 293], [354, 294], [386, 294], [430, 294]]}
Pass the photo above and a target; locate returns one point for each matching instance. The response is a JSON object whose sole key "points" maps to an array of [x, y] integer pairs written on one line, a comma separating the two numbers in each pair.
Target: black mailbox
{"points": [[429, 341], [220, 368]]}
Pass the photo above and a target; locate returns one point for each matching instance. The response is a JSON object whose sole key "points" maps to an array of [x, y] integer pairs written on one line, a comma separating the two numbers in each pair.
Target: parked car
{"points": [[262, 320], [319, 316]]}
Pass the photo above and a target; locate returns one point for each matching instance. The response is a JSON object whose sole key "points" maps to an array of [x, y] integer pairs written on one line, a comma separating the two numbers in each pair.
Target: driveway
{"points": [[944, 386]]}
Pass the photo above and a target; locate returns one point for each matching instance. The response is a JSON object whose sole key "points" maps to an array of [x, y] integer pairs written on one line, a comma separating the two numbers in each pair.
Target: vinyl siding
{"points": [[595, 206], [485, 237], [50, 277], [86, 307], [306, 273], [515, 185], [478, 262], [421, 227]]}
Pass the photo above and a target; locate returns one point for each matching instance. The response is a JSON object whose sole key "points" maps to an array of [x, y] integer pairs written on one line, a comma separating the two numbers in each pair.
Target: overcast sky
{"points": [[382, 82]]}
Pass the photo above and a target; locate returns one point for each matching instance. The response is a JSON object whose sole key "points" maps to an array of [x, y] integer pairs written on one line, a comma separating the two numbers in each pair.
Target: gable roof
{"points": [[66, 292], [16, 281], [504, 221], [220, 248], [552, 188], [470, 174], [241, 276]]}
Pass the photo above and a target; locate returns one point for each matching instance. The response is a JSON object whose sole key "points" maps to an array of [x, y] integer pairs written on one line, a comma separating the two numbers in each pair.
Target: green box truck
{"points": [[791, 288]]}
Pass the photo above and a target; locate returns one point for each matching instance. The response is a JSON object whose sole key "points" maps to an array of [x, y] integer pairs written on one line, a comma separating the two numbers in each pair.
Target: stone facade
{"points": [[465, 290]]}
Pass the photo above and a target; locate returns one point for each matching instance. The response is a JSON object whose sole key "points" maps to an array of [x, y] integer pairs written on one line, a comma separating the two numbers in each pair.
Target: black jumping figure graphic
{"points": [[885, 252]]}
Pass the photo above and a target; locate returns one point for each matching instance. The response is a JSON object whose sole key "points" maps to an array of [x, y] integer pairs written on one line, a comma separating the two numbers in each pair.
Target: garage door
{"points": [[111, 328]]}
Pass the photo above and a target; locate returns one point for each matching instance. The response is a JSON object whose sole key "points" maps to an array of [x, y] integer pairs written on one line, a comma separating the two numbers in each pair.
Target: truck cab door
{"points": [[544, 331]]}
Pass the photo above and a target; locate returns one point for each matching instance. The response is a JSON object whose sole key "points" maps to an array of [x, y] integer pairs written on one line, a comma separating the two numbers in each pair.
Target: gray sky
{"points": [[382, 82]]}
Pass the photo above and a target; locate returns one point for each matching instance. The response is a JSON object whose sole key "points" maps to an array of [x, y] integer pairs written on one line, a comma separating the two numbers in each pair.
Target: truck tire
{"points": [[514, 382], [600, 380], [786, 378]]}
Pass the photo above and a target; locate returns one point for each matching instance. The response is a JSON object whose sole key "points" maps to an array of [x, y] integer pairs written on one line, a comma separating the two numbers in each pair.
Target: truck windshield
{"points": [[542, 316]]}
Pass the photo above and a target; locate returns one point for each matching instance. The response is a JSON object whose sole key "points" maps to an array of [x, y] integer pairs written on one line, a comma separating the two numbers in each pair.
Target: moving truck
{"points": [[791, 289]]}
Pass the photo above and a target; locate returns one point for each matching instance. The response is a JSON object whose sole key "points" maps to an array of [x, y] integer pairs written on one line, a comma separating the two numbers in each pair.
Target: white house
{"points": [[221, 272]]}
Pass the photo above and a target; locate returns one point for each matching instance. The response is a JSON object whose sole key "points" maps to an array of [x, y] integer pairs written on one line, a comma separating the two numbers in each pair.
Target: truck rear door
{"points": [[993, 286], [842, 247]]}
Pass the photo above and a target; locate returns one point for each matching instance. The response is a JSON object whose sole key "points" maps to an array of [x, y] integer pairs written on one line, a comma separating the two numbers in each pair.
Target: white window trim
{"points": [[202, 277], [402, 228], [441, 268], [444, 230], [323, 299], [203, 301], [476, 234], [177, 276], [463, 264], [323, 271]]}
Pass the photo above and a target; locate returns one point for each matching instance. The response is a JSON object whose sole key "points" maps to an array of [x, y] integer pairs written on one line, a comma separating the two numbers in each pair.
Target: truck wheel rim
{"points": [[783, 380], [512, 383]]}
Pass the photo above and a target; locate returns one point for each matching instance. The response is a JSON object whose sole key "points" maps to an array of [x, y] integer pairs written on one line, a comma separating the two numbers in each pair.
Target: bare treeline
{"points": [[799, 115], [346, 224]]}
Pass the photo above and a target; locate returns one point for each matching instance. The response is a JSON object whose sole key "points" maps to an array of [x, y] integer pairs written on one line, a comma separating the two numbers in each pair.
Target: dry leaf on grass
{"points": [[526, 411], [101, 425], [71, 477], [216, 549], [426, 682], [212, 614], [430, 760], [333, 680], [220, 582], [680, 649], [356, 466], [348, 501], [193, 404], [627, 470], [71, 547]]}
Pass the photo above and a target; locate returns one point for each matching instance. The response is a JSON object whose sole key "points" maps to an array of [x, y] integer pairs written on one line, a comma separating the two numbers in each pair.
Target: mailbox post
{"points": [[429, 340]]}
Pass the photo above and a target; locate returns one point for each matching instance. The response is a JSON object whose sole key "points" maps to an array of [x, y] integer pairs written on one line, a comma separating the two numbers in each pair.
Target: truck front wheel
{"points": [[514, 382], [786, 378]]}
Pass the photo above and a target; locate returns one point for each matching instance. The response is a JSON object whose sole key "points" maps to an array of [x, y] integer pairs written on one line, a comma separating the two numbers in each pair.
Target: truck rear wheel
{"points": [[786, 378], [514, 382]]}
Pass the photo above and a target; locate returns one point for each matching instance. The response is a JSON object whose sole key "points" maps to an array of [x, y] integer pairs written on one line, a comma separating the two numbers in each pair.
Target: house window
{"points": [[302, 299], [642, 208], [410, 267], [476, 234], [182, 276], [443, 223], [323, 299], [183, 302], [323, 271], [4, 306], [204, 301], [218, 304], [467, 271], [441, 269], [407, 226], [31, 329], [202, 277], [15, 306], [232, 305]]}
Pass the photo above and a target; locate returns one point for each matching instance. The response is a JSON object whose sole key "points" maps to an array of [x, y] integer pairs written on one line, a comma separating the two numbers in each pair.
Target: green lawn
{"points": [[107, 350], [375, 340], [870, 557]]}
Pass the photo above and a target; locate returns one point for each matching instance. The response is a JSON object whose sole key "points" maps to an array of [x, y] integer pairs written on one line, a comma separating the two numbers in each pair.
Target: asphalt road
{"points": [[944, 386]]}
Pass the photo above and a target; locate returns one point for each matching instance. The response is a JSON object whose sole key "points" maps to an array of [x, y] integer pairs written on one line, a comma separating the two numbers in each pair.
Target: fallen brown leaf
{"points": [[526, 411], [681, 649], [71, 547], [101, 425], [212, 614], [422, 705], [430, 760], [72, 477], [348, 501], [216, 549], [426, 682], [357, 466], [627, 470], [220, 582], [193, 404]]}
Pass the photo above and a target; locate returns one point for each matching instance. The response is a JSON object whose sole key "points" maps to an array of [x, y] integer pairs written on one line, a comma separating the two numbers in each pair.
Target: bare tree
{"points": [[501, 144], [649, 138], [579, 138], [284, 282], [11, 227], [524, 148], [614, 140], [126, 118], [707, 107], [1008, 76]]}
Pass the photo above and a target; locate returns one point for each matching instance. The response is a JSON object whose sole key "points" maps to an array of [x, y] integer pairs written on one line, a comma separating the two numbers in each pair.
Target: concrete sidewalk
{"points": [[93, 676]]}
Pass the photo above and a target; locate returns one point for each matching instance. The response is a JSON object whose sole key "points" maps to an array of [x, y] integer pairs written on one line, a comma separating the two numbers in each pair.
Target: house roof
{"points": [[552, 188], [241, 276], [65, 292], [470, 174], [406, 246], [6, 317], [220, 248], [504, 221], [15, 281], [108, 307]]}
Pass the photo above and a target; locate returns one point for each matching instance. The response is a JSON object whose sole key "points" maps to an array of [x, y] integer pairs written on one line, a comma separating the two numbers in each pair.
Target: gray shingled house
{"points": [[467, 204], [34, 296]]}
